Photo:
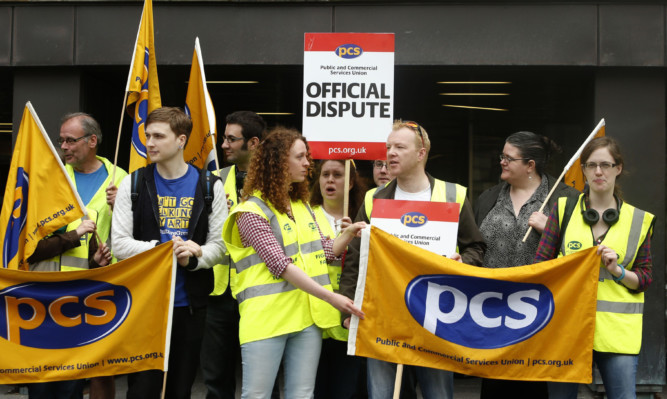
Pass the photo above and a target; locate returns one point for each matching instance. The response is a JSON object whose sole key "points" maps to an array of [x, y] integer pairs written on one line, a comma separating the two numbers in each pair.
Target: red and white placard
{"points": [[429, 225], [348, 99]]}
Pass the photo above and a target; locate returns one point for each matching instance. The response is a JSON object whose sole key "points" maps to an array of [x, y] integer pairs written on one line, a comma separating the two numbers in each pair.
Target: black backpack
{"points": [[206, 181]]}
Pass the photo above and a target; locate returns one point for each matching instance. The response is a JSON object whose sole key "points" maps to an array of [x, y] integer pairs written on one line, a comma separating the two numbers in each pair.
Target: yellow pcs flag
{"points": [[533, 322], [39, 198], [574, 176], [200, 149], [143, 87], [82, 324]]}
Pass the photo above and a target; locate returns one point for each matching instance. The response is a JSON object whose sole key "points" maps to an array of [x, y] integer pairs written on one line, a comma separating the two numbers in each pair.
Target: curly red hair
{"points": [[269, 174]]}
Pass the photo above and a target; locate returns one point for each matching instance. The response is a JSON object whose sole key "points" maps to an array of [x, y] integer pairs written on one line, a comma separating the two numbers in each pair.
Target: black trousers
{"points": [[186, 337], [220, 351]]}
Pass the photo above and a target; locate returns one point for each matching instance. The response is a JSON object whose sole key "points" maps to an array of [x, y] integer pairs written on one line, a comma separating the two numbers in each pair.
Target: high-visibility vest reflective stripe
{"points": [[443, 191], [335, 269], [99, 201], [222, 271], [618, 323], [269, 305]]}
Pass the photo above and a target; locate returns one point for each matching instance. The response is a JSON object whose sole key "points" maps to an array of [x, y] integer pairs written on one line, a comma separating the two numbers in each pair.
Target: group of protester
{"points": [[269, 264]]}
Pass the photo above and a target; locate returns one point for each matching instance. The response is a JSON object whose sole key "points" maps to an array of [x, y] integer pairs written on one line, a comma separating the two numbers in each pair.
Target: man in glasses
{"points": [[220, 348], [381, 175], [408, 146], [74, 246]]}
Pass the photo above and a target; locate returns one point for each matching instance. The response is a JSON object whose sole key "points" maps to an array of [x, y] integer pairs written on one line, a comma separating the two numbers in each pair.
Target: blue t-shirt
{"points": [[175, 198], [87, 184]]}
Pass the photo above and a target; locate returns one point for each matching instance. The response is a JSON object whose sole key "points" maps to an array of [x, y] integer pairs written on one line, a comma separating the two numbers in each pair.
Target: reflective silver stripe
{"points": [[263, 290], [450, 192], [73, 261], [633, 238], [254, 259], [224, 174], [322, 279], [292, 249], [248, 261], [310, 247], [605, 275], [273, 219], [275, 288], [620, 307]]}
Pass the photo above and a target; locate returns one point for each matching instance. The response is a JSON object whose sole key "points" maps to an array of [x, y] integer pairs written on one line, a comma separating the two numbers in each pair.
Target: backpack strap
{"points": [[207, 180], [569, 208], [137, 181]]}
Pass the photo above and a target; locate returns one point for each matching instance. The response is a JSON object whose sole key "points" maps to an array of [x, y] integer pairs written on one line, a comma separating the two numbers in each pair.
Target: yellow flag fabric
{"points": [[39, 196], [574, 176], [81, 324], [143, 87], [200, 149], [533, 322]]}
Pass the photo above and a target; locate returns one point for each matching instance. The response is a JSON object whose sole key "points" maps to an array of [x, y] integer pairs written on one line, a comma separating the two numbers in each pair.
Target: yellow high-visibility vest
{"points": [[618, 321], [442, 192], [335, 269], [270, 306]]}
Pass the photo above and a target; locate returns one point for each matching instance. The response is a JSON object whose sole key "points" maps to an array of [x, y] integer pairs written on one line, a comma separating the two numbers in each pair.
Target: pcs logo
{"points": [[287, 228], [479, 313], [17, 219], [61, 315], [574, 245], [414, 219], [348, 51]]}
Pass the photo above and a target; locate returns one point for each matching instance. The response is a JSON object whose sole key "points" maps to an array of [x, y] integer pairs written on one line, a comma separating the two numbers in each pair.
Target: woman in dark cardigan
{"points": [[505, 212]]}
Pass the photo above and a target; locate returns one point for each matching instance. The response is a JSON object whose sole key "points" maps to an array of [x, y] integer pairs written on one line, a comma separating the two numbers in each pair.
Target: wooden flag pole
{"points": [[545, 202], [346, 189], [397, 382], [120, 127]]}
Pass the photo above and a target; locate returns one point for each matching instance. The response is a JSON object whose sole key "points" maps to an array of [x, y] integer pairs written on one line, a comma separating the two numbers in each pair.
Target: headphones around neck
{"points": [[609, 217]]}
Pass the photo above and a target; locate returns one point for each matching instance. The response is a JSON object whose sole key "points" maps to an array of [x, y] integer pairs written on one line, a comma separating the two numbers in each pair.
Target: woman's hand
{"points": [[351, 229], [345, 305], [610, 260], [537, 221]]}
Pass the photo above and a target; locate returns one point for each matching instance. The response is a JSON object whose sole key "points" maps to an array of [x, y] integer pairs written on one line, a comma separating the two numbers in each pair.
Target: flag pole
{"points": [[346, 189], [120, 128], [209, 104], [565, 169], [397, 381]]}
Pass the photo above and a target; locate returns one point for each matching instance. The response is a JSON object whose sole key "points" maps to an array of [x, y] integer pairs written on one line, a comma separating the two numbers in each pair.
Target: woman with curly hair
{"points": [[327, 198], [280, 255]]}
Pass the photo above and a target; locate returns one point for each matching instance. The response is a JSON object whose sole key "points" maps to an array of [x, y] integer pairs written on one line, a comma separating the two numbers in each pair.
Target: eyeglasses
{"points": [[71, 141], [231, 139], [418, 129], [379, 164], [591, 166], [509, 159]]}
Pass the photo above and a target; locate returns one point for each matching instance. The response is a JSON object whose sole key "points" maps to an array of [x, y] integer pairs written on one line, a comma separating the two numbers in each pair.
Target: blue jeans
{"points": [[434, 383], [618, 373], [299, 352]]}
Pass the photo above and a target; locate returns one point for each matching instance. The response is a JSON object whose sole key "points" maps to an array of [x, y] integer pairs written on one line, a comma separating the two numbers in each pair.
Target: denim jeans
{"points": [[299, 352], [434, 383], [618, 373]]}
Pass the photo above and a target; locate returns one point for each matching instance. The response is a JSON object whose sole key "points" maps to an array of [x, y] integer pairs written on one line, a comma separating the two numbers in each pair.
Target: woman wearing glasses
{"points": [[504, 214], [338, 376], [282, 286], [622, 234]]}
